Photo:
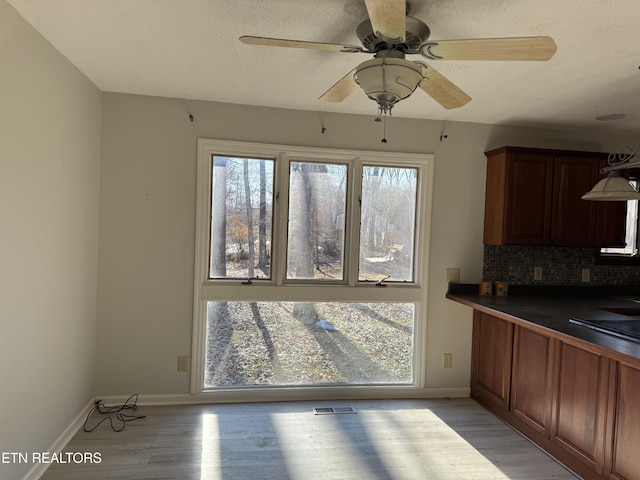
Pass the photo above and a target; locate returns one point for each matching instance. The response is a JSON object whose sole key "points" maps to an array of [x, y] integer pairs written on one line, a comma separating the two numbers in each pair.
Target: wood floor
{"points": [[406, 439]]}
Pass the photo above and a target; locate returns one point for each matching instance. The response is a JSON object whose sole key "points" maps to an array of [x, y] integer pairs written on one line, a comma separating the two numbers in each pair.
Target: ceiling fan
{"points": [[390, 34]]}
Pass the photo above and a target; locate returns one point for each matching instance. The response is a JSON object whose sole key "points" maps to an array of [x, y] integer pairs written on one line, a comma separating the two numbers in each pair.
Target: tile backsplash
{"points": [[560, 266]]}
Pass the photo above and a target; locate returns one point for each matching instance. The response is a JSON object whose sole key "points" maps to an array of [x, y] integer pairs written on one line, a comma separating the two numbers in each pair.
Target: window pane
{"points": [[387, 223], [631, 231], [284, 343], [241, 216], [317, 200]]}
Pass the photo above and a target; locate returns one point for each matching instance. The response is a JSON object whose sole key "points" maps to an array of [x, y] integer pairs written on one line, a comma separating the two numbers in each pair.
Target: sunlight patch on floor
{"points": [[210, 460], [437, 451], [449, 443], [317, 448]]}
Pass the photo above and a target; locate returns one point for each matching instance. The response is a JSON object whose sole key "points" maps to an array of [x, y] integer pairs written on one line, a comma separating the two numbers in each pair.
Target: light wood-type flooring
{"points": [[390, 439]]}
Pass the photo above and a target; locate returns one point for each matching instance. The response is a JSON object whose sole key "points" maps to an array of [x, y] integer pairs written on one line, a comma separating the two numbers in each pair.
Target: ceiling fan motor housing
{"points": [[416, 34]]}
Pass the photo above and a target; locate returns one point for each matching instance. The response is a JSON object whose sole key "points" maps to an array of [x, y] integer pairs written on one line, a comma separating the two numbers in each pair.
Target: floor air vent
{"points": [[332, 410]]}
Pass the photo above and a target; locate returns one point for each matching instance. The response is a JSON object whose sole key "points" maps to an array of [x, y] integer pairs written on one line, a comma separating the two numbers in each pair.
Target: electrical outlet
{"points": [[537, 273], [183, 363], [447, 360], [586, 275], [453, 275]]}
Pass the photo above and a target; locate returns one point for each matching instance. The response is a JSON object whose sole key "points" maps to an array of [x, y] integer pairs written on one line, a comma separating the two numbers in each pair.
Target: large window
{"points": [[310, 267]]}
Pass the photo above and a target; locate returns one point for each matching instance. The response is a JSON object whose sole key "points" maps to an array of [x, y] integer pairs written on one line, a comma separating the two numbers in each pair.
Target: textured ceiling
{"points": [[190, 49]]}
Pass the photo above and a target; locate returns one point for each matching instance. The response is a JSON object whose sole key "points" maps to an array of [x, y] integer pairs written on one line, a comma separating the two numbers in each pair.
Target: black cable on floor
{"points": [[113, 412]]}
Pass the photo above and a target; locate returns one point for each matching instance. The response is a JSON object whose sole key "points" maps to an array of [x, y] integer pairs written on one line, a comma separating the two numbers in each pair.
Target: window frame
{"points": [[273, 219], [416, 221], [283, 193], [278, 288], [622, 259]]}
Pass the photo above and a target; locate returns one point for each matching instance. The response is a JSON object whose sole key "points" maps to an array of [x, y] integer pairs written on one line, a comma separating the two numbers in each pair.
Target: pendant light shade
{"points": [[612, 188], [615, 187]]}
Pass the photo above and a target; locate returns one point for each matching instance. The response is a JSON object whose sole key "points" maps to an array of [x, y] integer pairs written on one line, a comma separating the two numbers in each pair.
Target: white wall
{"points": [[49, 178], [148, 219], [54, 128]]}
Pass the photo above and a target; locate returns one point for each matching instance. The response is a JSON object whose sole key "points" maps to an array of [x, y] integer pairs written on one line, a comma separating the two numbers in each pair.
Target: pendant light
{"points": [[615, 187]]}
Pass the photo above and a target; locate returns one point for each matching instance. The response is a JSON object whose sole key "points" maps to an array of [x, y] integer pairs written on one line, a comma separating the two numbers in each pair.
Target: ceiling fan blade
{"points": [[442, 90], [341, 89], [388, 18], [514, 48], [281, 42]]}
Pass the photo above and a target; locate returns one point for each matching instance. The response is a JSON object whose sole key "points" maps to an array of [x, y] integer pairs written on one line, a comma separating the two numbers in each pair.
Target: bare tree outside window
{"points": [[317, 202], [263, 256], [218, 218], [387, 225], [241, 199]]}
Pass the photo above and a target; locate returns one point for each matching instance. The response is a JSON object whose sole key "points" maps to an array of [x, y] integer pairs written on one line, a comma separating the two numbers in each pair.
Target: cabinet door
{"points": [[625, 458], [531, 379], [573, 220], [611, 226], [528, 198], [581, 405], [491, 360]]}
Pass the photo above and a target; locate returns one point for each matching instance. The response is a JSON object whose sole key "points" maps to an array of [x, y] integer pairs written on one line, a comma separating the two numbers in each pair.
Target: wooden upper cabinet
{"points": [[611, 224], [573, 220], [518, 198], [533, 197]]}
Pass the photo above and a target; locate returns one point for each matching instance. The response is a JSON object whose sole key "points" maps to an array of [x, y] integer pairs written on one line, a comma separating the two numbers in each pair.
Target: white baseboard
{"points": [[58, 445], [280, 395]]}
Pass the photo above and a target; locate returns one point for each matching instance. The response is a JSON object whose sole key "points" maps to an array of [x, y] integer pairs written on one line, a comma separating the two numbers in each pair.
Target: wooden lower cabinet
{"points": [[580, 404], [577, 403], [531, 381], [625, 446], [491, 370]]}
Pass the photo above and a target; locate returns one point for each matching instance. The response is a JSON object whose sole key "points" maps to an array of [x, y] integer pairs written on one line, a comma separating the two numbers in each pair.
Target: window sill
{"points": [[616, 259]]}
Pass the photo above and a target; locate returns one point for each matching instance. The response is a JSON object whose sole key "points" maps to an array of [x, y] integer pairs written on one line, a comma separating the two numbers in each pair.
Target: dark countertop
{"points": [[552, 309]]}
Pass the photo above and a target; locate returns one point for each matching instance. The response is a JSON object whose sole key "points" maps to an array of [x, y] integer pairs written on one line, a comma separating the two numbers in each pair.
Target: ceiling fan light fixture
{"points": [[388, 80]]}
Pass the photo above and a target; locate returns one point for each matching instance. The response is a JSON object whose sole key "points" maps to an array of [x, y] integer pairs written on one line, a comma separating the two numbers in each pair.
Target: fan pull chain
{"points": [[382, 118], [384, 128]]}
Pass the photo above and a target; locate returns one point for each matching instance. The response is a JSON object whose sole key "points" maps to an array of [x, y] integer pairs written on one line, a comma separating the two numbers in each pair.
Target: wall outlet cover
{"points": [[537, 273], [183, 363], [453, 275], [447, 360]]}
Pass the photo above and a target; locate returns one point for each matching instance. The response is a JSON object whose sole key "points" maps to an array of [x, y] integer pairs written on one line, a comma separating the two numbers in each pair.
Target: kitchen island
{"points": [[573, 390]]}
